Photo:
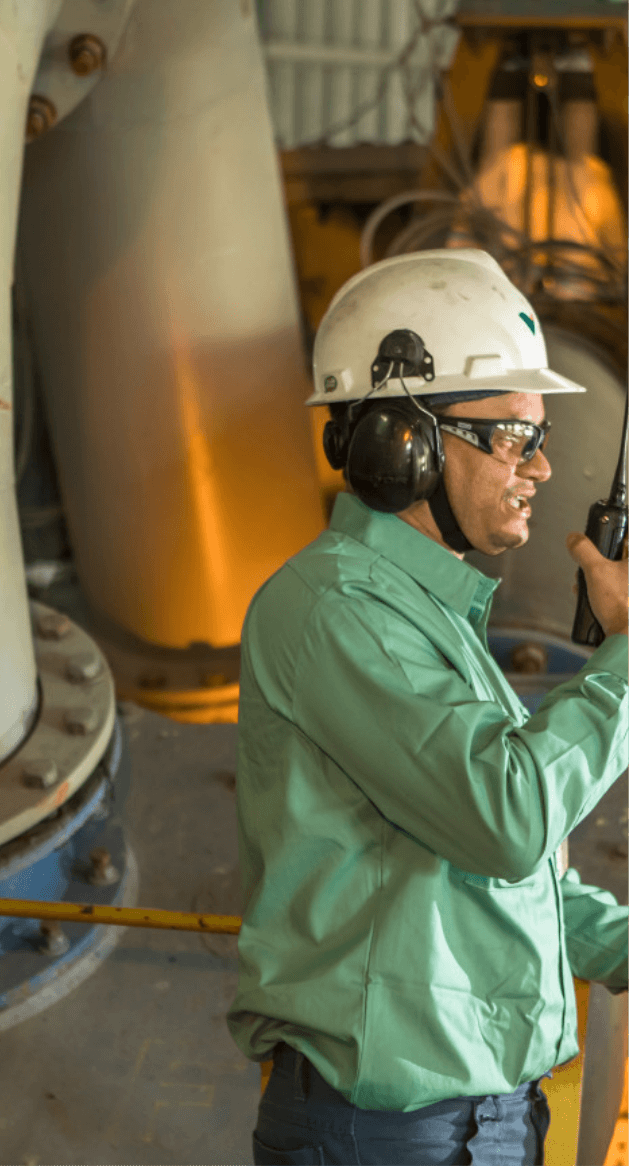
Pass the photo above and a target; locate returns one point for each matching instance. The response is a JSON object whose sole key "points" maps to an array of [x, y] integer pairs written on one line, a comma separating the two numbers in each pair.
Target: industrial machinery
{"points": [[155, 326], [63, 769]]}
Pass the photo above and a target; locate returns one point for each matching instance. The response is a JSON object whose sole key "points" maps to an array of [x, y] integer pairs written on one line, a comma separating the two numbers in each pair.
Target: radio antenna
{"points": [[618, 496]]}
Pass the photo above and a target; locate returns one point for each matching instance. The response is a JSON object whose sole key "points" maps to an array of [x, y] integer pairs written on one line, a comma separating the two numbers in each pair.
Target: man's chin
{"points": [[500, 541], [510, 541]]}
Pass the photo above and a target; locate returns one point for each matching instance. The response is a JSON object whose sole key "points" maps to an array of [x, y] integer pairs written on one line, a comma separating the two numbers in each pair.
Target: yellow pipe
{"points": [[122, 916]]}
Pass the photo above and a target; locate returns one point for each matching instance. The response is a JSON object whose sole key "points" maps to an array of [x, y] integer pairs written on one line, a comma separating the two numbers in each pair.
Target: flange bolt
{"points": [[81, 721], [87, 54], [83, 666], [41, 116], [52, 625], [103, 871], [54, 940], [40, 773], [529, 658]]}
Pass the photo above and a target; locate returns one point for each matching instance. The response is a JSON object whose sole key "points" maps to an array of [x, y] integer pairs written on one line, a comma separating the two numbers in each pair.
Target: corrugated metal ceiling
{"points": [[364, 66]]}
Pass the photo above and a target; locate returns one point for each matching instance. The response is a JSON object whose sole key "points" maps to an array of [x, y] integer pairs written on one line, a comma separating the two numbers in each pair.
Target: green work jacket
{"points": [[405, 925]]}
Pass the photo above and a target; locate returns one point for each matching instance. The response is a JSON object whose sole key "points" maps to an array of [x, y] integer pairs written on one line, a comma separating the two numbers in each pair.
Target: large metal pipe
{"points": [[158, 268], [23, 27]]}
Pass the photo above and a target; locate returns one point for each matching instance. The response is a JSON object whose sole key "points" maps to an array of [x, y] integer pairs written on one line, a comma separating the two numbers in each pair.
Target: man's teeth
{"points": [[518, 501]]}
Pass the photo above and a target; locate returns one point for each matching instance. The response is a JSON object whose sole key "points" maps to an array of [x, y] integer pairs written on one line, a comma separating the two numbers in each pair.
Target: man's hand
{"points": [[606, 583]]}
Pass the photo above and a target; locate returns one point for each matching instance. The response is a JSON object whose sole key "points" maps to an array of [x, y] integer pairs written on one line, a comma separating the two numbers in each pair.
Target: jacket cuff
{"points": [[612, 656]]}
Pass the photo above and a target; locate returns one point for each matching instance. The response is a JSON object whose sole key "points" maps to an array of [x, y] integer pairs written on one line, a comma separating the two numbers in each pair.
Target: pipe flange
{"points": [[74, 725], [74, 55]]}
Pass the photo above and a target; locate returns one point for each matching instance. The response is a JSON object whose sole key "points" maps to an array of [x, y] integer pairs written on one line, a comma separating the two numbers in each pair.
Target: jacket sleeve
{"points": [[596, 933], [452, 770]]}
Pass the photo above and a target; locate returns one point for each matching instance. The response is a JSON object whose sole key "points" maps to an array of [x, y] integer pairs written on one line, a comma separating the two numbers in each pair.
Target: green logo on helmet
{"points": [[530, 323]]}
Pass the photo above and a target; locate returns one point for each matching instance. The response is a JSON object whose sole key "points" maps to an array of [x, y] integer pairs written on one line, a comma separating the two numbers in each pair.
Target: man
{"points": [[408, 941]]}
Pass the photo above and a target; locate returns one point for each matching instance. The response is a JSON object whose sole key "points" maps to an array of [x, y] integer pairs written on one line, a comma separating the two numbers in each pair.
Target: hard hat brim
{"points": [[541, 380]]}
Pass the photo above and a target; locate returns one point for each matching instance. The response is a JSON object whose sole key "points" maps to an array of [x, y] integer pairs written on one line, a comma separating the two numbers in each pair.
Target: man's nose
{"points": [[538, 468]]}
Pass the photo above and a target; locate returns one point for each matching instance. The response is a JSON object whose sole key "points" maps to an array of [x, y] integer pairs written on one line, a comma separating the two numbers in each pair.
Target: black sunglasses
{"points": [[510, 441]]}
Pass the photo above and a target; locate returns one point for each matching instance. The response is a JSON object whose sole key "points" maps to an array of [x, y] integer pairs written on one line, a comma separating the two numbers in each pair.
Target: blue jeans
{"points": [[303, 1121]]}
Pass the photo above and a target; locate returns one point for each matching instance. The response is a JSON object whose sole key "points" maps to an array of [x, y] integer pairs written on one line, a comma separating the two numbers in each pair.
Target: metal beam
{"points": [[533, 14]]}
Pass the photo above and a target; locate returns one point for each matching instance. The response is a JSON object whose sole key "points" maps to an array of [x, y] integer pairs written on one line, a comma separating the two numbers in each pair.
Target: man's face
{"points": [[491, 499]]}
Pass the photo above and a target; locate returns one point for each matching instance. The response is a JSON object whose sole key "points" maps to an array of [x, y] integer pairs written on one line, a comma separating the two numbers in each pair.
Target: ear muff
{"points": [[394, 457], [335, 444]]}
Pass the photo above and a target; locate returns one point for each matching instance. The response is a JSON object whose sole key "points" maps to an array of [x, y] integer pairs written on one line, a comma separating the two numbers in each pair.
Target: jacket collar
{"points": [[449, 579]]}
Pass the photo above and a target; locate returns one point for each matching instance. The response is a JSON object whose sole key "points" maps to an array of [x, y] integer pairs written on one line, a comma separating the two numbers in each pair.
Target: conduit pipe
{"points": [[100, 913], [23, 27], [163, 305]]}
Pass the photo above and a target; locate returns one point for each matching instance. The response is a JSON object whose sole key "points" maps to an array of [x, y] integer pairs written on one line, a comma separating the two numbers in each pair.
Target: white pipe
{"points": [[23, 27], [164, 310]]}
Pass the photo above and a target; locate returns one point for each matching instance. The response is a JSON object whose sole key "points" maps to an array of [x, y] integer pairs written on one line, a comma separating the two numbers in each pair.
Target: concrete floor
{"points": [[136, 1065]]}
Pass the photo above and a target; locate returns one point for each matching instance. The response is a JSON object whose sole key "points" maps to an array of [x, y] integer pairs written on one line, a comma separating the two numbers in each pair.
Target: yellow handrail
{"points": [[122, 916]]}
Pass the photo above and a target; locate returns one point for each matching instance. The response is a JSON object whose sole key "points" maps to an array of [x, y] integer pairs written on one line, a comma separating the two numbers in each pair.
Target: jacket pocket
{"points": [[490, 883]]}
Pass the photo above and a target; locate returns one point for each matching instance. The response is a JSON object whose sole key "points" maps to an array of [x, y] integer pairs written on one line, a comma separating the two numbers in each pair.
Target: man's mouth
{"points": [[519, 500]]}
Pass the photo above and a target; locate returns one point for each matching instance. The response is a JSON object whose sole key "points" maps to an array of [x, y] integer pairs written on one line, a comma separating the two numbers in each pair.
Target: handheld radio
{"points": [[607, 528]]}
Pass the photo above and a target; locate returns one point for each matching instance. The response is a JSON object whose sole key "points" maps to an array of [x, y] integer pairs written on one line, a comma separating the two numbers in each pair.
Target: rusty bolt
{"points": [[81, 721], [103, 872], [53, 941], [529, 658], [52, 625], [41, 116], [83, 666], [87, 54], [40, 773]]}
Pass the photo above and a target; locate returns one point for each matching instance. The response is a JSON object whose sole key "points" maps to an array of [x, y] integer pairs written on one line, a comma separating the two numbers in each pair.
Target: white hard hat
{"points": [[480, 331]]}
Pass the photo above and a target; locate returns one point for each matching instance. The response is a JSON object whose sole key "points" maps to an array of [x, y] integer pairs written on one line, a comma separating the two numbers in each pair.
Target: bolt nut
{"points": [[53, 939], [84, 666], [52, 625], [129, 710], [102, 872], [101, 813], [529, 658], [40, 773], [81, 721], [41, 116], [87, 54]]}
